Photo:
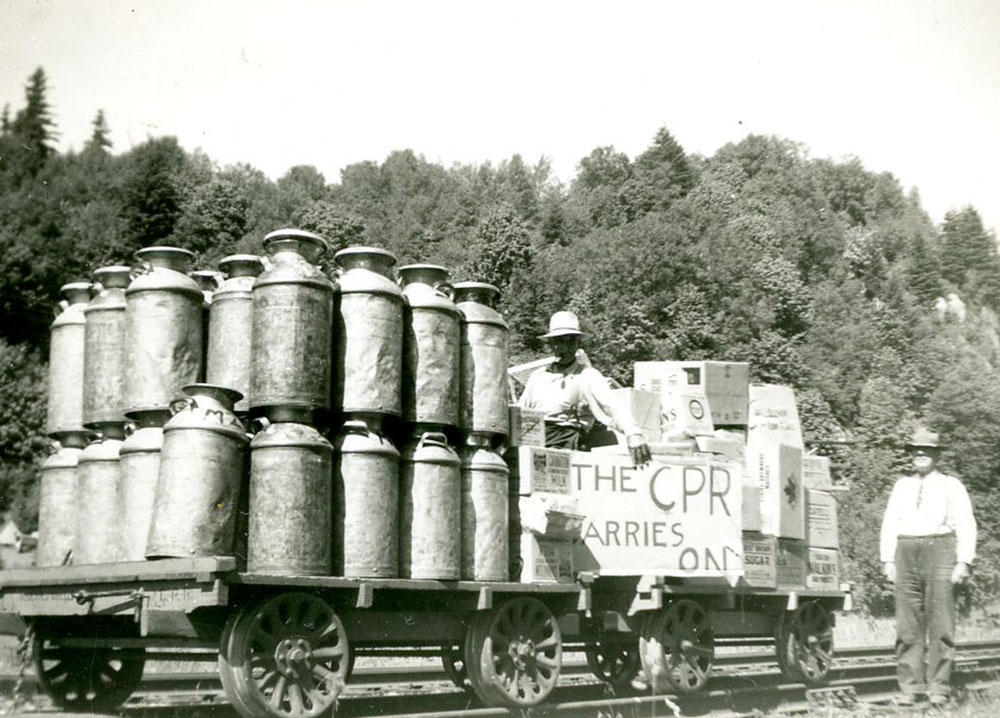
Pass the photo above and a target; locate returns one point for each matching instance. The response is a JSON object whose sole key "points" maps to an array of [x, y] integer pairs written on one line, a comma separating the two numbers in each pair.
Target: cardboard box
{"points": [[724, 385], [536, 469], [774, 416], [821, 520], [791, 562], [645, 409], [553, 516], [778, 471], [816, 472], [760, 554], [678, 516], [546, 560], [527, 427], [823, 572], [750, 519], [731, 447], [685, 413]]}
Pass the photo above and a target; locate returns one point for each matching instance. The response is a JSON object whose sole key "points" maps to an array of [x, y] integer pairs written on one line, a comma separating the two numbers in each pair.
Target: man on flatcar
{"points": [[928, 542], [571, 394]]}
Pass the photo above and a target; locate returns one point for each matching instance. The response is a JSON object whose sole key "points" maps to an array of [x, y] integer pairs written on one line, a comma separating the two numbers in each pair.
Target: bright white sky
{"points": [[908, 86]]}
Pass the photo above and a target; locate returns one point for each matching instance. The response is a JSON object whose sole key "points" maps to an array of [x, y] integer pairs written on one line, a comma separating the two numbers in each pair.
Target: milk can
{"points": [[201, 471], [97, 538], [484, 393], [57, 505], [430, 522], [292, 324], [368, 369], [231, 322], [431, 347], [366, 504], [104, 350], [65, 408], [140, 467], [484, 512], [163, 329], [208, 281], [291, 495]]}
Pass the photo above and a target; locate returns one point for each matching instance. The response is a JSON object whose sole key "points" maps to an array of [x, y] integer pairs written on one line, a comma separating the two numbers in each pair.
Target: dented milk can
{"points": [[292, 325], [227, 362], [140, 467], [367, 374], [431, 347], [104, 350], [484, 512], [65, 407], [163, 329], [57, 505], [97, 538], [430, 521], [366, 504], [201, 472], [484, 393], [291, 496]]}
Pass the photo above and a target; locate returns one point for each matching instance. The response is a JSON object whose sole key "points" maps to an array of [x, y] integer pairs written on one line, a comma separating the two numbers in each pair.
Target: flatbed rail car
{"points": [[286, 643]]}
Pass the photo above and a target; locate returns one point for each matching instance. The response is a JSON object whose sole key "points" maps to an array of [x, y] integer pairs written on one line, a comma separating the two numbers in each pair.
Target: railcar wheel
{"points": [[677, 648], [284, 657], [614, 662], [514, 653], [804, 643], [87, 679]]}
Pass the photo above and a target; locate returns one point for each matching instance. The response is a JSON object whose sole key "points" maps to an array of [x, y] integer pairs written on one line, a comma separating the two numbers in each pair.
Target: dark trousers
{"points": [[925, 614]]}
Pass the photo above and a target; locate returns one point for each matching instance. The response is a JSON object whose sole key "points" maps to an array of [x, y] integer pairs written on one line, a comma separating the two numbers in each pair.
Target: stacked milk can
{"points": [[407, 375]]}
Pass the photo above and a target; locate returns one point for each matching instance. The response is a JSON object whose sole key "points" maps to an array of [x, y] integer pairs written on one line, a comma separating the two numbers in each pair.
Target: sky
{"points": [[909, 87]]}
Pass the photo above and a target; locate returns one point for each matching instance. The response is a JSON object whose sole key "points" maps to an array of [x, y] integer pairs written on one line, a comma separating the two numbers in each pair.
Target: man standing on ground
{"points": [[927, 546]]}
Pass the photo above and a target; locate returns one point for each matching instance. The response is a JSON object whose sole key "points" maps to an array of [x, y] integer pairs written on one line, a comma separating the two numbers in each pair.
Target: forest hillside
{"points": [[821, 274]]}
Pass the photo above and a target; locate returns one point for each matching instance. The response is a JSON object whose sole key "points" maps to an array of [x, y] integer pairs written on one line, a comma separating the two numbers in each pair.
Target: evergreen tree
{"points": [[99, 136], [662, 174], [33, 126]]}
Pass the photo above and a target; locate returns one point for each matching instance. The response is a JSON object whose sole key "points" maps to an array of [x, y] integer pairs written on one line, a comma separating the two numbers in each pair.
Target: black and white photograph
{"points": [[442, 359]]}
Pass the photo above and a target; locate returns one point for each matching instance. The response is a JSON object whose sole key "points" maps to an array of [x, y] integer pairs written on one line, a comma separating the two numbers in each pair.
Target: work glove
{"points": [[960, 572], [890, 571], [639, 450]]}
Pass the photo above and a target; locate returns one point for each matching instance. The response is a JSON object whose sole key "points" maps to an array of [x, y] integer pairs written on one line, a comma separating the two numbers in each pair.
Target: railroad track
{"points": [[742, 683]]}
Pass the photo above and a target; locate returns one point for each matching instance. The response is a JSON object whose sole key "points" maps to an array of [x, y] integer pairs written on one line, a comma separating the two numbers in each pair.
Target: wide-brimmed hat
{"points": [[924, 439], [563, 324]]}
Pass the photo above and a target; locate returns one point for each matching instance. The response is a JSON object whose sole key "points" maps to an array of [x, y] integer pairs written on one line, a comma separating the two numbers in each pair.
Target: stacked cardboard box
{"points": [[722, 385], [543, 518], [816, 472]]}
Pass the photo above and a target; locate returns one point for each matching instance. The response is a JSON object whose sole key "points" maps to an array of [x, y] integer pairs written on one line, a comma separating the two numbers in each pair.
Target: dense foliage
{"points": [[821, 274]]}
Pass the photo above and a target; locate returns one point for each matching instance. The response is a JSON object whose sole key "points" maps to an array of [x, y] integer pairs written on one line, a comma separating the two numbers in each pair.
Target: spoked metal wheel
{"points": [[614, 659], [804, 643], [514, 653], [284, 657], [677, 648], [87, 679]]}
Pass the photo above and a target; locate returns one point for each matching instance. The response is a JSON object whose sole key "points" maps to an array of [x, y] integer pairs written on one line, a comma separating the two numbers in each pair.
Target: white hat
{"points": [[563, 324]]}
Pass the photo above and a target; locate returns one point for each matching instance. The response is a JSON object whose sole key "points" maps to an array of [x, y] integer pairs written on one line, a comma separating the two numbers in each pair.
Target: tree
{"points": [[969, 256], [99, 141], [33, 126], [338, 227], [662, 174], [150, 190], [602, 187]]}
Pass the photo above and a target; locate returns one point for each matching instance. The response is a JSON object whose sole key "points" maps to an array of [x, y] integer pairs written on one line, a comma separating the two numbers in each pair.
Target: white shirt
{"points": [[931, 505], [573, 396]]}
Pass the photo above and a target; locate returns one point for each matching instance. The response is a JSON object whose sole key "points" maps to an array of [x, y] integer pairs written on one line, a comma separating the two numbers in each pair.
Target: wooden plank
{"points": [[404, 584], [126, 572]]}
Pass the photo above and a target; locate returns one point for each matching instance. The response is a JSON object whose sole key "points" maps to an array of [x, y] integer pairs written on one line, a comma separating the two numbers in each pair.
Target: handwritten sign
{"points": [[680, 518]]}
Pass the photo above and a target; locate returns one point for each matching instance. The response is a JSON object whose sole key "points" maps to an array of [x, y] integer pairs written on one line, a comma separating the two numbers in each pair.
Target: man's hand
{"points": [[960, 573], [639, 449], [890, 571]]}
